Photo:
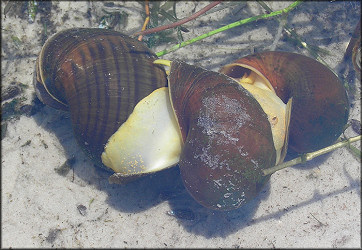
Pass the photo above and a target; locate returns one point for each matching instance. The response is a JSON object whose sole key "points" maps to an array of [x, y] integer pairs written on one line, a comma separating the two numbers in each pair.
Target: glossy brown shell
{"points": [[228, 139], [99, 75], [320, 105]]}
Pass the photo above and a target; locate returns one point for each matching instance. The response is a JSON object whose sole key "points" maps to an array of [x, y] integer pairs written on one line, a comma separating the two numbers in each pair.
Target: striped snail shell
{"points": [[99, 76], [320, 104]]}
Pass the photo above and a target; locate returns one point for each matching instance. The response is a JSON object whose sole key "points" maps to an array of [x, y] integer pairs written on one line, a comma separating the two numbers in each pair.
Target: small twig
{"points": [[178, 23], [147, 20], [320, 223], [278, 35], [229, 26], [309, 156]]}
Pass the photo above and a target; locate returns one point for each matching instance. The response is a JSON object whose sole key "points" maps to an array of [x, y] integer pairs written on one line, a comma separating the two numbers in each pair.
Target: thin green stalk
{"points": [[229, 26], [354, 151], [310, 156]]}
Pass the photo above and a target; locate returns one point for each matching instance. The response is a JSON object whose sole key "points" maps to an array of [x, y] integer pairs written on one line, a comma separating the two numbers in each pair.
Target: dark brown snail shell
{"points": [[320, 105], [99, 76], [227, 137]]}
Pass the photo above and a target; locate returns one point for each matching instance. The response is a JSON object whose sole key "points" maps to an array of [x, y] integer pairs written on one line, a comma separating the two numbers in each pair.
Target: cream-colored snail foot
{"points": [[278, 112], [148, 141]]}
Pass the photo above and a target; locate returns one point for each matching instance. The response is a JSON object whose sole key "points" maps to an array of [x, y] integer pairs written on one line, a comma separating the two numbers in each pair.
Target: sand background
{"points": [[53, 195]]}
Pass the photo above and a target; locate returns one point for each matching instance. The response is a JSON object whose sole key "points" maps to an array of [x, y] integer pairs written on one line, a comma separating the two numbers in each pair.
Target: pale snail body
{"points": [[148, 141], [222, 132]]}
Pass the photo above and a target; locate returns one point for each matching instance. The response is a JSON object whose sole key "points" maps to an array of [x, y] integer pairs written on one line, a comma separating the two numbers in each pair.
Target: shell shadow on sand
{"points": [[164, 186], [149, 191]]}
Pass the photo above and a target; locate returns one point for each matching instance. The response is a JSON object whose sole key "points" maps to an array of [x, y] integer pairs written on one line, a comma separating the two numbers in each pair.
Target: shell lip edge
{"points": [[228, 68]]}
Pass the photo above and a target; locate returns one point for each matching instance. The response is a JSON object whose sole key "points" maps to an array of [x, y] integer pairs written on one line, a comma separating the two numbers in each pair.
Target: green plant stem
{"points": [[310, 156], [352, 149], [229, 26], [355, 151]]}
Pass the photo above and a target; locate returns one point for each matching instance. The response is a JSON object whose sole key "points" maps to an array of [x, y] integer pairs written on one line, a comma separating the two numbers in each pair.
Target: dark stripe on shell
{"points": [[104, 86], [76, 78], [96, 101], [87, 109], [119, 90], [130, 75]]}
